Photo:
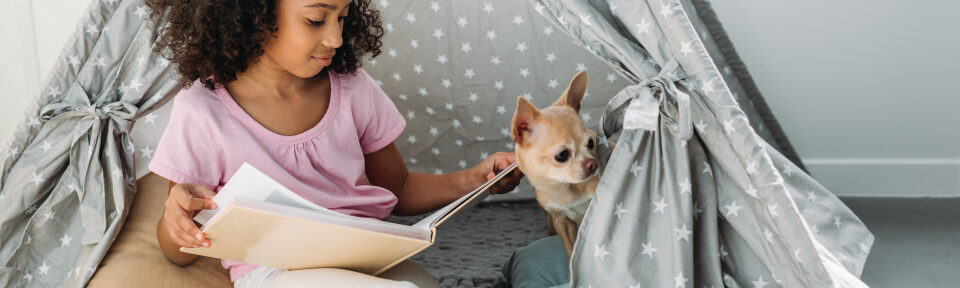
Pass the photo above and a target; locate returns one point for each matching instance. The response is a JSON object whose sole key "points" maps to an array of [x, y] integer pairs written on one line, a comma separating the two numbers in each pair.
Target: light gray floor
{"points": [[917, 241]]}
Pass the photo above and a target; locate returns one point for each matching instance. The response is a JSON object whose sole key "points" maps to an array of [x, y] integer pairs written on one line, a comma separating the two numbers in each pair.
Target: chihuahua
{"points": [[557, 153]]}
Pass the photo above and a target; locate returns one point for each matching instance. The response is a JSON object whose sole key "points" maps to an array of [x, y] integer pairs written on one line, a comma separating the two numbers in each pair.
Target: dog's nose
{"points": [[592, 165]]}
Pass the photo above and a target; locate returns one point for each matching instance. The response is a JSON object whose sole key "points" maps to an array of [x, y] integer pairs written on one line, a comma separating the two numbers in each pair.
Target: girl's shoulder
{"points": [[358, 79], [198, 104]]}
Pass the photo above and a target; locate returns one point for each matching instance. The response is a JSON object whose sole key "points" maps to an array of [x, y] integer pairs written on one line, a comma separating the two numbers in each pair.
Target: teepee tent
{"points": [[692, 195], [68, 172]]}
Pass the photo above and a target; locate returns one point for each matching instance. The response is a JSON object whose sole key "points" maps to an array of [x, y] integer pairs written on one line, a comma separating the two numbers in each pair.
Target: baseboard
{"points": [[899, 178]]}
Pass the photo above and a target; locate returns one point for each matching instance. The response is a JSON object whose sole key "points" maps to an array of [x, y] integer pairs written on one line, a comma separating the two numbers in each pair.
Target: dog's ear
{"points": [[574, 93], [523, 119]]}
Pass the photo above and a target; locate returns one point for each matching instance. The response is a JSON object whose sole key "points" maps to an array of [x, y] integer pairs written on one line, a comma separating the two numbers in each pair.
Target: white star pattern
{"points": [[36, 179], [600, 252], [732, 209], [620, 211], [65, 241], [611, 77], [487, 7], [660, 205], [581, 67], [685, 48], [491, 34], [146, 152], [683, 233], [54, 91], [759, 283], [141, 11], [648, 249], [707, 87], [553, 83], [522, 47], [44, 268], [685, 186], [518, 20], [92, 29], [548, 30], [150, 118], [643, 26], [46, 146], [680, 281], [74, 61]]}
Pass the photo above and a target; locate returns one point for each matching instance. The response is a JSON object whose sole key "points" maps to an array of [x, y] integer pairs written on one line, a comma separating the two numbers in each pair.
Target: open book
{"points": [[259, 221]]}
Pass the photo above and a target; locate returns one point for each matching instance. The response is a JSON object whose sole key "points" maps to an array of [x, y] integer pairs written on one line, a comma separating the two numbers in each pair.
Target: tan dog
{"points": [[557, 153]]}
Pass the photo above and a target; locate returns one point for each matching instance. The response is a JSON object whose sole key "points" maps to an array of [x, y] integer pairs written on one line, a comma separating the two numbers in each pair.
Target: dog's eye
{"points": [[590, 143], [562, 156]]}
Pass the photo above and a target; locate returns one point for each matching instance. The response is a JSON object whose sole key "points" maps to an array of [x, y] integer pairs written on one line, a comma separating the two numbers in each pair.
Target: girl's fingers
{"points": [[189, 231], [202, 192]]}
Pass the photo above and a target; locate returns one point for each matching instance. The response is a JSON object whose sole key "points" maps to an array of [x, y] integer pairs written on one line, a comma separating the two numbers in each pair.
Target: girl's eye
{"points": [[315, 23], [562, 156]]}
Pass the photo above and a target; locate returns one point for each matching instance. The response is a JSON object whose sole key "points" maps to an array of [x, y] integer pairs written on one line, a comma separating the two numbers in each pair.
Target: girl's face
{"points": [[308, 35]]}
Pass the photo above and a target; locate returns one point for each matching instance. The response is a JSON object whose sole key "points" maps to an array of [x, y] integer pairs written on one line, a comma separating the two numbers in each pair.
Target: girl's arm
{"points": [[176, 228], [419, 193]]}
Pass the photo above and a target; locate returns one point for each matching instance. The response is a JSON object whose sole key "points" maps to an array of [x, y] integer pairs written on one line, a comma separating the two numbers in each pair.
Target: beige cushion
{"points": [[135, 259]]}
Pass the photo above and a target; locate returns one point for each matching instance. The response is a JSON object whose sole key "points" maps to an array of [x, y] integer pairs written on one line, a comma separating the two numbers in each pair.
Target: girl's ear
{"points": [[523, 120], [574, 93]]}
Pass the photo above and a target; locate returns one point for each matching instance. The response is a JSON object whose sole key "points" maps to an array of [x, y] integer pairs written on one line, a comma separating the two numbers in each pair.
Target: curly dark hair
{"points": [[214, 40]]}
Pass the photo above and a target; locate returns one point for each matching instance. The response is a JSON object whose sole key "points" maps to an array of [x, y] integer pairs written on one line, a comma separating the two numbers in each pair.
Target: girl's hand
{"points": [[184, 201], [489, 168]]}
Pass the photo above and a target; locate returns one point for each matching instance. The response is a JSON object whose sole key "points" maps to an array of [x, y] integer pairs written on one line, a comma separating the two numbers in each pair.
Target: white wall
{"points": [[866, 90], [33, 32]]}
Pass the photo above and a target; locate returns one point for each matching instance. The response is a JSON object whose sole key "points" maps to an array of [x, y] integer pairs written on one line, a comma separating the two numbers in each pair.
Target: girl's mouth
{"points": [[323, 61]]}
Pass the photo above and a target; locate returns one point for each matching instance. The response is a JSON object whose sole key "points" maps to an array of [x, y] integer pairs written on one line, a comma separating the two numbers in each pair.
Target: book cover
{"points": [[259, 221]]}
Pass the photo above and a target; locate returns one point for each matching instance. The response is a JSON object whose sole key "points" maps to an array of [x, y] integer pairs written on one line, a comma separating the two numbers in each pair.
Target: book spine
{"points": [[405, 257]]}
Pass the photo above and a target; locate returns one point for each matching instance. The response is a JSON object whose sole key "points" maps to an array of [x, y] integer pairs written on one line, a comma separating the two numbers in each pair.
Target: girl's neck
{"points": [[265, 78]]}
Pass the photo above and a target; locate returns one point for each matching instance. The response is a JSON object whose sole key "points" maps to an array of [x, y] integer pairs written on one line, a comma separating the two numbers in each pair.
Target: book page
{"points": [[250, 183], [465, 201]]}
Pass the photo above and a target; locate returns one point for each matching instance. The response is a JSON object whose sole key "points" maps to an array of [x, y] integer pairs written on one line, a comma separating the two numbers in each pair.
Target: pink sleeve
{"points": [[185, 152], [379, 123]]}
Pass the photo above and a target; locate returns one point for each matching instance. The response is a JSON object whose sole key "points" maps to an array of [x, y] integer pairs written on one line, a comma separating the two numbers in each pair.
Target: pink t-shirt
{"points": [[209, 136]]}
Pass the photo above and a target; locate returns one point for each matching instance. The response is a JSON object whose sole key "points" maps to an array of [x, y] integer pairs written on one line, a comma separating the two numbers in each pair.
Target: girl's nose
{"points": [[332, 36]]}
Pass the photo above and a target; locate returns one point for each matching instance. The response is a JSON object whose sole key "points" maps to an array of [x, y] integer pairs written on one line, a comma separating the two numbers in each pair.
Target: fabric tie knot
{"points": [[657, 96]]}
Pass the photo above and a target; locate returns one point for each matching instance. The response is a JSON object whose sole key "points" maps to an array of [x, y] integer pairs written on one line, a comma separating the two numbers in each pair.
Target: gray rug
{"points": [[472, 246]]}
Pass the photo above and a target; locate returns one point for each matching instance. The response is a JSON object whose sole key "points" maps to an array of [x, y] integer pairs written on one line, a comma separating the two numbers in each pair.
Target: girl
{"points": [[277, 83]]}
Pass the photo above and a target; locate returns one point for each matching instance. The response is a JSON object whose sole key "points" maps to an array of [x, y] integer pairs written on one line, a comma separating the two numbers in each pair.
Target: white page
{"points": [[429, 221], [250, 183], [368, 224]]}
